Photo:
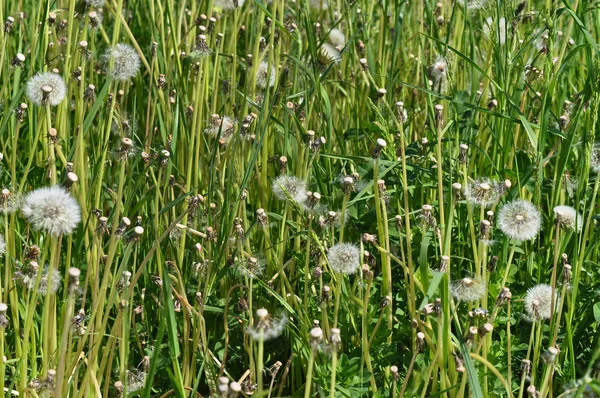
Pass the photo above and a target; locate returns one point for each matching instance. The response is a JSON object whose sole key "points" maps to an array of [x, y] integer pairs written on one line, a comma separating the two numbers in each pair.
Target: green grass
{"points": [[171, 310]]}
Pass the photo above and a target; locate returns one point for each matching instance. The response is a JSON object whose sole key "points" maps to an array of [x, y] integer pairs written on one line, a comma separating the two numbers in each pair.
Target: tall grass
{"points": [[201, 268]]}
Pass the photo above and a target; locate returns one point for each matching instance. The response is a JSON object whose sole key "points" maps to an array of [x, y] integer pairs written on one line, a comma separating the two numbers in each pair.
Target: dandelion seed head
{"points": [[49, 281], [481, 192], [224, 125], [490, 26], [568, 218], [344, 258], [252, 268], [337, 38], [52, 210], [263, 72], [467, 289], [595, 159], [538, 302], [291, 187], [2, 245], [267, 327], [94, 3], [122, 62], [9, 201], [439, 69], [329, 53], [228, 4], [46, 88], [520, 220]]}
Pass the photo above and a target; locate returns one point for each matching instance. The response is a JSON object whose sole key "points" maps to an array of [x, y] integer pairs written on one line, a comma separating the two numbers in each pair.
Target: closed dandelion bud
{"points": [[335, 340], [379, 145], [73, 279], [485, 329], [3, 318], [316, 336], [444, 261], [70, 179], [420, 341], [567, 273], [462, 154], [8, 24], [123, 225], [458, 361], [550, 355], [492, 264], [18, 61], [325, 294]]}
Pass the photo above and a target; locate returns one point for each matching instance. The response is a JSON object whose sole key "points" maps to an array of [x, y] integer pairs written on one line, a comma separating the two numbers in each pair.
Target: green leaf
{"points": [[597, 312]]}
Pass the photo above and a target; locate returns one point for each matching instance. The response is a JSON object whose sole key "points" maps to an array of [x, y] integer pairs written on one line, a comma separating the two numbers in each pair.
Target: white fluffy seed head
{"points": [[52, 210], [481, 192], [595, 159], [46, 88], [567, 217], [499, 29], [263, 73], [344, 258], [228, 4], [2, 245], [291, 187], [538, 302], [329, 53], [520, 220], [122, 62], [467, 289], [337, 38], [439, 68]]}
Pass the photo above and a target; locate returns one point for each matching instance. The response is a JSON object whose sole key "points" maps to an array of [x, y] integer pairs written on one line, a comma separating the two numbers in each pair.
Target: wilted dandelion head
{"points": [[94, 3], [467, 289], [344, 258], [329, 53], [122, 61], [263, 73], [595, 159], [567, 217], [46, 89], [538, 302], [439, 68], [9, 201], [52, 210], [224, 125], [266, 327], [291, 187], [28, 274], [520, 220], [499, 29], [337, 38], [481, 192], [251, 268], [229, 4]]}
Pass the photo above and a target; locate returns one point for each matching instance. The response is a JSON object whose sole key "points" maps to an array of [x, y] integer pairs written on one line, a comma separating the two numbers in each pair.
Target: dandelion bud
{"points": [[316, 336], [70, 179], [3, 318], [18, 61], [420, 341], [444, 261], [335, 339], [485, 329], [8, 24], [462, 155], [458, 361], [550, 355], [567, 273], [363, 64], [379, 145], [73, 279]]}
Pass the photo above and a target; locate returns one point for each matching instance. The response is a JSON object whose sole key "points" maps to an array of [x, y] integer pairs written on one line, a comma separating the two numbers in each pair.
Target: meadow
{"points": [[299, 198]]}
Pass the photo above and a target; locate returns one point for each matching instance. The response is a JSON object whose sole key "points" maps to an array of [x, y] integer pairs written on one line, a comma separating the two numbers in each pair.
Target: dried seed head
{"points": [[46, 89], [122, 62]]}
